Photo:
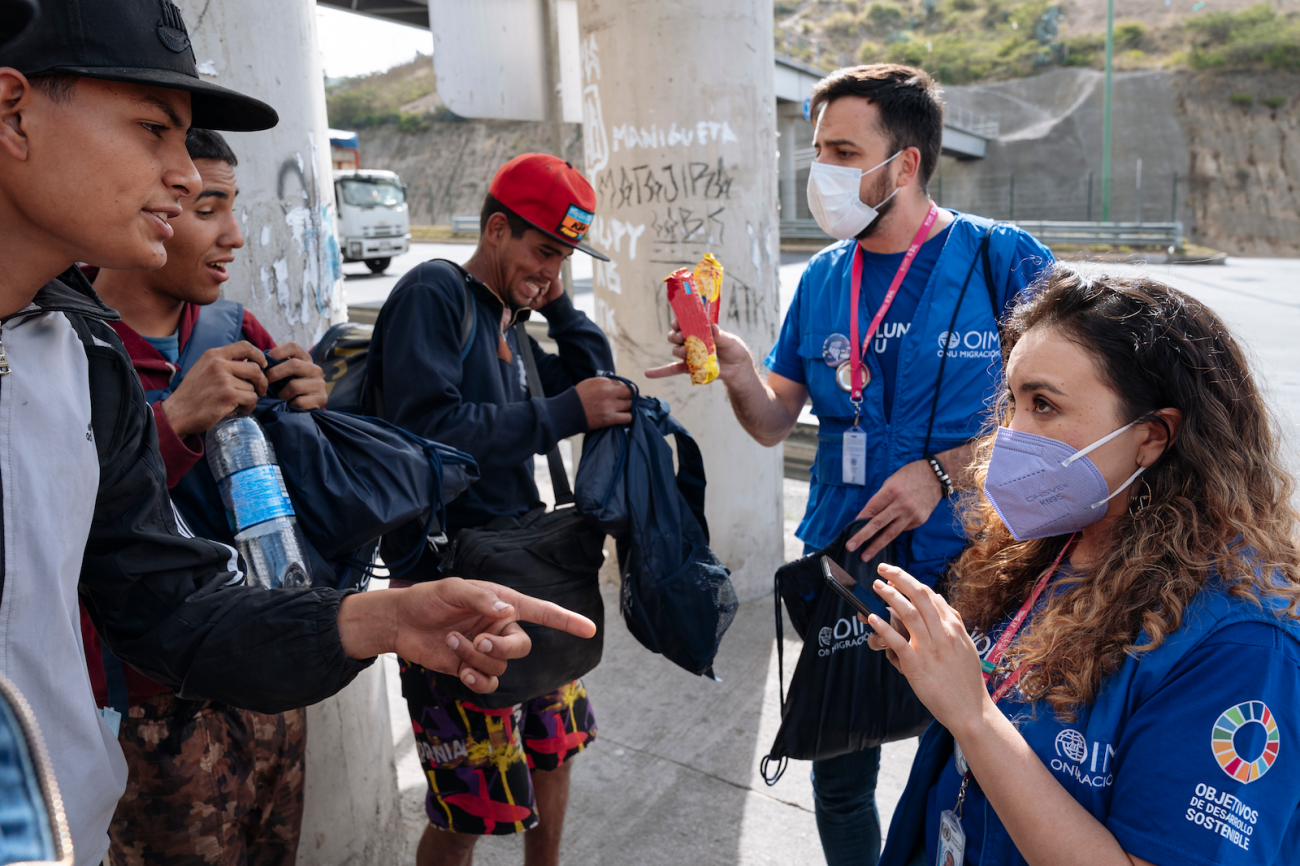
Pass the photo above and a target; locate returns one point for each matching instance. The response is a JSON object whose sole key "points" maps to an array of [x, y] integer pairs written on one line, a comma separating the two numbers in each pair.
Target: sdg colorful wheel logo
{"points": [[1245, 741]]}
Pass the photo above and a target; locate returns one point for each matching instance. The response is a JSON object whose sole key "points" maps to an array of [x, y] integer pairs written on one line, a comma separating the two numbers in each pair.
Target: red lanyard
{"points": [[855, 359], [995, 655]]}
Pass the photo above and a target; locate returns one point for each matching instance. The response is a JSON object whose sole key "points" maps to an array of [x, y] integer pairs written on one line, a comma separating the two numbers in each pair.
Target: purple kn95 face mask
{"points": [[1042, 487]]}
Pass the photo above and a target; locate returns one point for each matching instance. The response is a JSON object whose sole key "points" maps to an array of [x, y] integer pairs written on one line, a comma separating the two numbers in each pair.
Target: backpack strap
{"points": [[467, 316], [989, 282], [690, 471], [982, 254], [559, 478], [218, 324]]}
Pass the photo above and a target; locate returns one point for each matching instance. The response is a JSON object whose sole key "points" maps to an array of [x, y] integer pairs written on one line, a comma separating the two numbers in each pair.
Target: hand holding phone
{"points": [[860, 595]]}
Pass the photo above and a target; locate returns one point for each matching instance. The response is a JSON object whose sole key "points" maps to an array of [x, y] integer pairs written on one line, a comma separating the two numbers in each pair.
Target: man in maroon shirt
{"points": [[208, 783]]}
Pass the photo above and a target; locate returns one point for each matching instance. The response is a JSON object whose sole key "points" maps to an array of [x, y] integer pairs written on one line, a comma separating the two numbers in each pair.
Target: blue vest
{"points": [[196, 495], [955, 314], [1121, 694]]}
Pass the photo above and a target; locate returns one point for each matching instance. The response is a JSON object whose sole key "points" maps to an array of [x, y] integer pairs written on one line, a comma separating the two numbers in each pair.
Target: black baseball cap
{"points": [[15, 15], [134, 41]]}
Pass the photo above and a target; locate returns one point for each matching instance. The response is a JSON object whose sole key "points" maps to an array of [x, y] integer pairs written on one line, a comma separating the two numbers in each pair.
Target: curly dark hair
{"points": [[1220, 498]]}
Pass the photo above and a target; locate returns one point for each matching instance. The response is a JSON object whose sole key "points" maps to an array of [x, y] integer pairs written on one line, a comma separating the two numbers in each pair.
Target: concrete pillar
{"points": [[679, 131], [289, 273], [290, 276], [790, 115]]}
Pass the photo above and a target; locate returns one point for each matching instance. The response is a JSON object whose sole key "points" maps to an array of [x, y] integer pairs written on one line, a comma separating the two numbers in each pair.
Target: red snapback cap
{"points": [[549, 194]]}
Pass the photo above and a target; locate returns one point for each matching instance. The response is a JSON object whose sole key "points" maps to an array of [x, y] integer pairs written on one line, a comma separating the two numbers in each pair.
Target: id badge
{"points": [[952, 841], [854, 453]]}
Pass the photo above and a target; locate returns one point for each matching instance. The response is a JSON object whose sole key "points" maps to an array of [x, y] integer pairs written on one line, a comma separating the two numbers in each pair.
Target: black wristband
{"points": [[944, 481]]}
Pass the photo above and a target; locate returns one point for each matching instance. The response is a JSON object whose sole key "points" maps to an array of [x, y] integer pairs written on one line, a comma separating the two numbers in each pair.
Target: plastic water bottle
{"points": [[257, 504]]}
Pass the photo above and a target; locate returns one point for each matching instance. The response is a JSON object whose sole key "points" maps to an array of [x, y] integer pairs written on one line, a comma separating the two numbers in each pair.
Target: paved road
{"points": [[1259, 299], [675, 777], [364, 289]]}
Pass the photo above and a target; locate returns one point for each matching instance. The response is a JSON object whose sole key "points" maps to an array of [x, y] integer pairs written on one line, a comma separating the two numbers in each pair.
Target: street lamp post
{"points": [[1105, 123]]}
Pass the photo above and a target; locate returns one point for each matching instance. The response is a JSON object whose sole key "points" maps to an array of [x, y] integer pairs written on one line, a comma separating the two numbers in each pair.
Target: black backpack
{"points": [[343, 350]]}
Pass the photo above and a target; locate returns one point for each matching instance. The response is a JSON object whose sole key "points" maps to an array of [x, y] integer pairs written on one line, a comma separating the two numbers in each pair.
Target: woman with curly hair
{"points": [[1117, 677]]}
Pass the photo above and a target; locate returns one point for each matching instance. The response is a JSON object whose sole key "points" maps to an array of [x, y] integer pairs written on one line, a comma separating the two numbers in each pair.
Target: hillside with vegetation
{"points": [[970, 41], [406, 95], [959, 41]]}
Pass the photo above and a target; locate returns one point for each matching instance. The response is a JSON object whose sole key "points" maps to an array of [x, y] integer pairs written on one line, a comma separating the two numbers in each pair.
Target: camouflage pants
{"points": [[232, 795]]}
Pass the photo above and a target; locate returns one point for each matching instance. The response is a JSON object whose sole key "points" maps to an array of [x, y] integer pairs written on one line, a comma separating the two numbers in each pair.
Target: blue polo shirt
{"points": [[1204, 771], [878, 270], [944, 310]]}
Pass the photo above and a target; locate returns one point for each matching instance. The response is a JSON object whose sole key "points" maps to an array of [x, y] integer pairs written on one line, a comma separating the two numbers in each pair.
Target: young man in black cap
{"points": [[497, 772], [95, 101]]}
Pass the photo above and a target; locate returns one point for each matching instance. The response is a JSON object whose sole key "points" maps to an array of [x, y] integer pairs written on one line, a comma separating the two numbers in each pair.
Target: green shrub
{"points": [[409, 123], [841, 24], [885, 17], [1128, 35], [1275, 101], [869, 52], [1245, 100], [1085, 50], [964, 5], [1251, 38]]}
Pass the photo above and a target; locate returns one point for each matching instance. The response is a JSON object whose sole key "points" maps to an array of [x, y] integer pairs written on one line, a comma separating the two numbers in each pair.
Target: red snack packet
{"points": [[693, 319]]}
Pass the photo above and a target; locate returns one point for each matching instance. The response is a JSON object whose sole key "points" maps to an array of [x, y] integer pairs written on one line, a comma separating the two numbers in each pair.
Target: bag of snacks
{"points": [[695, 299]]}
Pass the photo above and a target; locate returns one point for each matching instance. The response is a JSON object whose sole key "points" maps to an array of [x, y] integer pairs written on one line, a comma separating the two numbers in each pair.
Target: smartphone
{"points": [[857, 593]]}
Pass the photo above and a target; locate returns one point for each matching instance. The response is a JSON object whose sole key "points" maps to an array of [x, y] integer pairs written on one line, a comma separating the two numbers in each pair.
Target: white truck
{"points": [[373, 225]]}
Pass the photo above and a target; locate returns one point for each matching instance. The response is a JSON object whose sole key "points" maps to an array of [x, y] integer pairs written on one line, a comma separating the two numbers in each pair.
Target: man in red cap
{"points": [[454, 373]]}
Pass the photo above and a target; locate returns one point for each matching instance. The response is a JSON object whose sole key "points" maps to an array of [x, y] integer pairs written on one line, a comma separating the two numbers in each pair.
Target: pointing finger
{"points": [[529, 609]]}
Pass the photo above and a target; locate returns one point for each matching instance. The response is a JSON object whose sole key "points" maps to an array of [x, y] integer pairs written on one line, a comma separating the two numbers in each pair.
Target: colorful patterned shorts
{"points": [[478, 762]]}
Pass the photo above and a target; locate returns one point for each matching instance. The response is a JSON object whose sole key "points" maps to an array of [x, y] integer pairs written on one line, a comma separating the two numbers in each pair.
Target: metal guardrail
{"points": [[800, 451], [1166, 234], [803, 230], [464, 224]]}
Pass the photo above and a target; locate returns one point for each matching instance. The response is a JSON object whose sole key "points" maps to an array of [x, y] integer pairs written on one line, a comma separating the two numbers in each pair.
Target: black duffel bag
{"points": [[552, 555], [844, 696]]}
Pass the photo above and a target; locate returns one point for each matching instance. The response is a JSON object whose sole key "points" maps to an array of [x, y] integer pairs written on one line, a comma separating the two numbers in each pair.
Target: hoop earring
{"points": [[1140, 501]]}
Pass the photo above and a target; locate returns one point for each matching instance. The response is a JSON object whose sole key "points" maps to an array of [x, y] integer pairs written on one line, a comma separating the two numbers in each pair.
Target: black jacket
{"points": [[163, 602], [468, 396]]}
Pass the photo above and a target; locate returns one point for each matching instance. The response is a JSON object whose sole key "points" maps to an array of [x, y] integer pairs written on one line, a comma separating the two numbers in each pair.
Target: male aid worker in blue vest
{"points": [[893, 333]]}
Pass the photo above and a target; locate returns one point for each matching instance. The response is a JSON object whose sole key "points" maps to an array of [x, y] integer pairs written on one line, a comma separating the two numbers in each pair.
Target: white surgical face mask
{"points": [[834, 200]]}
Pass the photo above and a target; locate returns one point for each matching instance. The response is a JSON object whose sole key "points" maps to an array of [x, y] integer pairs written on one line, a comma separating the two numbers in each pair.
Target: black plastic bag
{"points": [[844, 696], [551, 555], [677, 597]]}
